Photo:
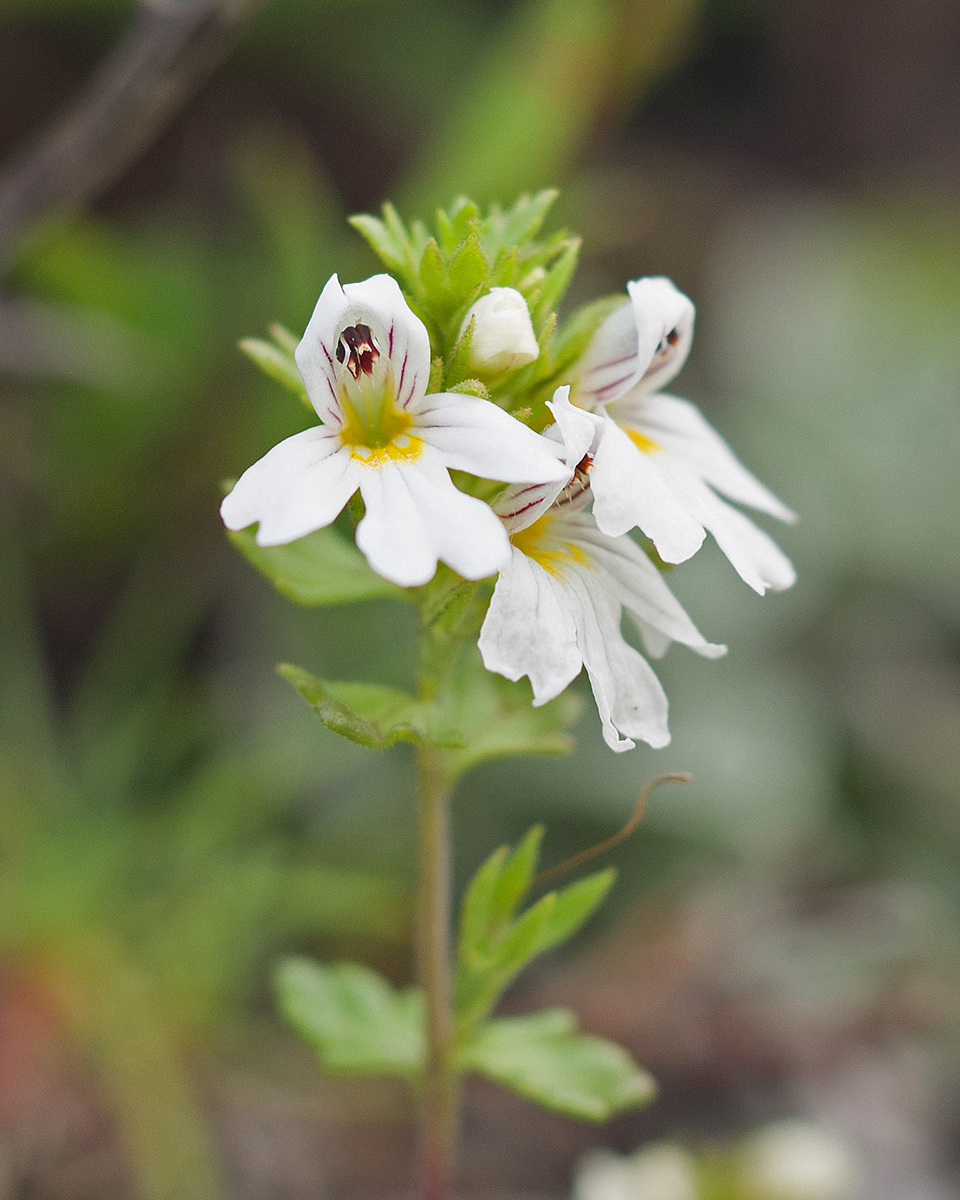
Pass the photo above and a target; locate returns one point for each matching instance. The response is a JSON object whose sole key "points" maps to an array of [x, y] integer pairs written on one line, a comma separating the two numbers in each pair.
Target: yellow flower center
{"points": [[375, 429], [644, 444], [552, 552]]}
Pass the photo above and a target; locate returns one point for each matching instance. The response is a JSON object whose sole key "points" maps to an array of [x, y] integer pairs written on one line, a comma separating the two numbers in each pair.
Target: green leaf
{"points": [[520, 223], [433, 274], [515, 876], [500, 721], [575, 904], [387, 239], [283, 337], [556, 283], [494, 945], [542, 1056], [277, 364], [355, 1020], [321, 568], [476, 908], [469, 269], [457, 366], [370, 714], [572, 338]]}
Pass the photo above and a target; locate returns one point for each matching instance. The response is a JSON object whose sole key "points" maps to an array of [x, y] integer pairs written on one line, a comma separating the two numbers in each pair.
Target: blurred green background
{"points": [[783, 938]]}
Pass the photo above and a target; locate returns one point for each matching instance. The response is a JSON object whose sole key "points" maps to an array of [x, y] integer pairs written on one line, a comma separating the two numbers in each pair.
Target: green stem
{"points": [[438, 1113]]}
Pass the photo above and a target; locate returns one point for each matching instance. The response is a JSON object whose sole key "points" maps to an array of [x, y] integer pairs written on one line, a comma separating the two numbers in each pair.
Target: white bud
{"points": [[794, 1160], [658, 1172], [503, 337]]}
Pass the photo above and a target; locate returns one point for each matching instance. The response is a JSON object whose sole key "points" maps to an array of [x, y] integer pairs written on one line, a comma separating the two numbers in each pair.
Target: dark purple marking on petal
{"points": [[390, 342], [403, 371], [357, 348], [327, 352], [611, 387], [613, 362]]}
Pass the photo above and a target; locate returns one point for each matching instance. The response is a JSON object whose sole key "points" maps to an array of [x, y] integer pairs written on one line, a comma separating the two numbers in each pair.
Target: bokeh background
{"points": [[783, 939]]}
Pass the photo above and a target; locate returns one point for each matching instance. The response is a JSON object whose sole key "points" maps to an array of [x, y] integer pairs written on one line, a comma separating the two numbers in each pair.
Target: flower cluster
{"points": [[616, 454]]}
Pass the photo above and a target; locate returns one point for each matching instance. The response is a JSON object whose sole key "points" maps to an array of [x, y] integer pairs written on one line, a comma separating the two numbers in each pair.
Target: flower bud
{"points": [[503, 337], [661, 1171], [794, 1160]]}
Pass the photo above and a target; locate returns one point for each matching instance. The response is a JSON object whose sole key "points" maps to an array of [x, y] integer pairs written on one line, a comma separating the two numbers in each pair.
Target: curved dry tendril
{"points": [[615, 839]]}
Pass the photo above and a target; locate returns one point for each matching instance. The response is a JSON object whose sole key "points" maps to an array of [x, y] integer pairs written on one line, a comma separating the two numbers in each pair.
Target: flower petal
{"points": [[647, 339], [298, 486], [392, 534], [576, 431], [628, 694], [378, 301], [416, 516], [400, 334], [475, 435], [757, 559], [641, 589], [681, 429], [630, 490], [315, 353], [664, 317], [529, 630], [465, 532]]}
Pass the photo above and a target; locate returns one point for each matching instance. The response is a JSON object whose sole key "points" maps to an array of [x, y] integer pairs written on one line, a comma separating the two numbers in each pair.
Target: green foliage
{"points": [[499, 721], [372, 715], [543, 1057], [495, 943], [444, 272], [277, 362], [321, 568], [353, 1018]]}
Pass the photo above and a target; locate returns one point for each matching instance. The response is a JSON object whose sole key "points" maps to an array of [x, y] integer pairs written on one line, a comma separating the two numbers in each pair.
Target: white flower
{"points": [[659, 465], [796, 1160], [661, 1171], [503, 337], [559, 600], [365, 360]]}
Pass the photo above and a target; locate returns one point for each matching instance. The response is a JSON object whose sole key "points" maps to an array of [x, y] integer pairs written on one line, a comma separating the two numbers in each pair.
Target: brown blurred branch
{"points": [[171, 47]]}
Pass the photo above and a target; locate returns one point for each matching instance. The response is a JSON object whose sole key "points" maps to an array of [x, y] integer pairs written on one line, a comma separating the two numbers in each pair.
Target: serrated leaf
{"points": [[276, 363], [370, 714], [383, 241], [470, 387], [556, 283], [521, 222], [321, 568], [433, 274], [543, 1057], [481, 983], [515, 876], [574, 905], [356, 1021], [500, 720], [475, 910], [506, 272], [469, 269], [457, 365]]}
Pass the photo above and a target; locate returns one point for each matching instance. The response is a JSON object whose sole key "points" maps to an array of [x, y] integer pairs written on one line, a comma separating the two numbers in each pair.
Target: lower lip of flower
{"points": [[644, 444], [551, 552]]}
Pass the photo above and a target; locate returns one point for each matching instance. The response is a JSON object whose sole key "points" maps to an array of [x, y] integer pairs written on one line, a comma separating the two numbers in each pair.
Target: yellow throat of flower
{"points": [[375, 429], [542, 543]]}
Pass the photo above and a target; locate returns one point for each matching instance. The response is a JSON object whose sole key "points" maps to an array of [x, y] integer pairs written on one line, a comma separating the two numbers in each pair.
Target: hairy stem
{"points": [[438, 1115]]}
